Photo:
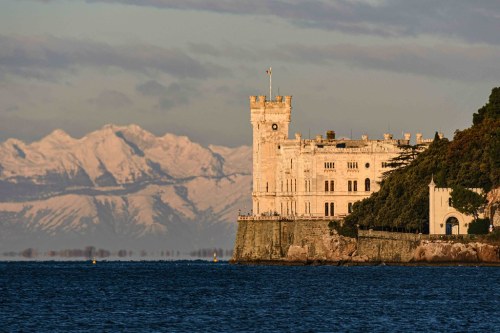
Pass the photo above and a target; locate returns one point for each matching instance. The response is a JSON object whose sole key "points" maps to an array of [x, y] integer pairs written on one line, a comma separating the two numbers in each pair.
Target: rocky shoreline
{"points": [[370, 263], [314, 243]]}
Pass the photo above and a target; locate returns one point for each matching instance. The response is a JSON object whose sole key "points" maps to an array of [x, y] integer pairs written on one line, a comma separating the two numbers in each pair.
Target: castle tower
{"points": [[270, 121]]}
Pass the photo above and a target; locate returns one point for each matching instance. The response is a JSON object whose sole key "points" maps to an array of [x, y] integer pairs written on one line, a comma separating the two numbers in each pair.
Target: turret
{"points": [[270, 121]]}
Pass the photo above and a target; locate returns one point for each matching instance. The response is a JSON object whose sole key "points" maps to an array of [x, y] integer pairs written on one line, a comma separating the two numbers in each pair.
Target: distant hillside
{"points": [[121, 187], [472, 159]]}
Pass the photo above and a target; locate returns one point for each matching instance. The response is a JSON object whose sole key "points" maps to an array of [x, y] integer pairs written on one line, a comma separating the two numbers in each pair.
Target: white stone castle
{"points": [[318, 178]]}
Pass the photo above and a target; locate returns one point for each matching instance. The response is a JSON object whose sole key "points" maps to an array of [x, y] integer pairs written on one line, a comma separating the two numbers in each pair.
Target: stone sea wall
{"points": [[388, 246], [306, 241], [290, 241]]}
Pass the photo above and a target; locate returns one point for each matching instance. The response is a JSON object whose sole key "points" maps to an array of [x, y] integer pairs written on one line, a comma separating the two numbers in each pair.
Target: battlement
{"points": [[258, 102]]}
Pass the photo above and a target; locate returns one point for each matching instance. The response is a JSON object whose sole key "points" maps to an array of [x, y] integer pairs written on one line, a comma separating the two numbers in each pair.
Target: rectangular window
{"points": [[326, 208], [332, 186], [332, 209], [349, 207], [355, 186], [329, 165], [326, 185], [349, 186]]}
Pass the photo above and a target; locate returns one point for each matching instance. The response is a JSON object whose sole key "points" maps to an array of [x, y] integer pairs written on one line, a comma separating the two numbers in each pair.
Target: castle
{"points": [[318, 178]]}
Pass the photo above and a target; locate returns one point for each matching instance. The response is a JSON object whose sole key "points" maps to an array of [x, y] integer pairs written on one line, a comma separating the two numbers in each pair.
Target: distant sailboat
{"points": [[215, 257]]}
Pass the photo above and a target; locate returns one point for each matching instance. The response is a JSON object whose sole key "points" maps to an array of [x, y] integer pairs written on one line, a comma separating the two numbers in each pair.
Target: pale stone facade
{"points": [[312, 178], [443, 218]]}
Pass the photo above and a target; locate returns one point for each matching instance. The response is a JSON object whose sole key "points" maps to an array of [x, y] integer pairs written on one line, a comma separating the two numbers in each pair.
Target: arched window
{"points": [[355, 186], [349, 186], [367, 184], [326, 185], [349, 207], [332, 186], [326, 208], [332, 209]]}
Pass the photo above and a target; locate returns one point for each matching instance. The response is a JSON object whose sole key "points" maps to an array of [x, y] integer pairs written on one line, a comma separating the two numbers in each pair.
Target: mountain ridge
{"points": [[119, 185]]}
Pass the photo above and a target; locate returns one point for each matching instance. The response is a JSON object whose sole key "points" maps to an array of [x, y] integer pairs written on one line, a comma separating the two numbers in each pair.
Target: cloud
{"points": [[173, 95], [177, 94], [474, 62], [461, 63], [42, 57], [151, 88], [473, 21], [111, 99]]}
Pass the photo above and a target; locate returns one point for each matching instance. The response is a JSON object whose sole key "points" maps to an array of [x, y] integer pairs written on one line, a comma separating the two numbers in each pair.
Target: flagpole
{"points": [[270, 84]]}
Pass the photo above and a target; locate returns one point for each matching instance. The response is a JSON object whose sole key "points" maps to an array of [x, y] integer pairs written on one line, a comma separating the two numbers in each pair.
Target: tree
{"points": [[479, 227], [467, 201], [408, 153]]}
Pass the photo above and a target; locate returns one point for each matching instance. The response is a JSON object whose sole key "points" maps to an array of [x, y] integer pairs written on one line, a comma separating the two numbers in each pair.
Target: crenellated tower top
{"points": [[261, 101]]}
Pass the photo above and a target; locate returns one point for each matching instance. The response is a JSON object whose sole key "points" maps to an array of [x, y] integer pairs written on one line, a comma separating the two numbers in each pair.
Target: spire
{"points": [[432, 181]]}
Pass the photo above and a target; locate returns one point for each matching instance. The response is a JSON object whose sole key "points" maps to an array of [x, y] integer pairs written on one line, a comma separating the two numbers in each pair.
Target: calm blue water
{"points": [[206, 297]]}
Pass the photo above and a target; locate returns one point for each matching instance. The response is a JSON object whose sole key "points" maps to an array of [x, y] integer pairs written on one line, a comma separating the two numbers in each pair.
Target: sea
{"points": [[201, 296]]}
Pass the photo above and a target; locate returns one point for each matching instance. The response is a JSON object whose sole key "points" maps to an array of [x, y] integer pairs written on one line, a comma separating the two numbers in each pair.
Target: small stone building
{"points": [[443, 218]]}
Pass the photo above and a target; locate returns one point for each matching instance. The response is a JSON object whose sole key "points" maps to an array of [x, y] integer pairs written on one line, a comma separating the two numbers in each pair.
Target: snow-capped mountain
{"points": [[120, 187]]}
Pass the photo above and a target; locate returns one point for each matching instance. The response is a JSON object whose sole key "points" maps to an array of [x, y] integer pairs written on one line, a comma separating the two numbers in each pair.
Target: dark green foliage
{"points": [[472, 159], [493, 237], [407, 155], [479, 227], [467, 201], [490, 110], [343, 229]]}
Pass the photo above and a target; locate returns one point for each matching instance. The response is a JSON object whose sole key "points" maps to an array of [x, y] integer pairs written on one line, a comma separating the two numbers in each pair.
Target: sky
{"points": [[188, 66]]}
